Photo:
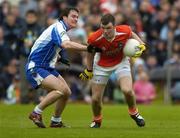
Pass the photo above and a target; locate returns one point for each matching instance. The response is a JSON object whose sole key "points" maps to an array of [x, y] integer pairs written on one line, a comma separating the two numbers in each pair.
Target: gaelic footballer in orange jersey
{"points": [[112, 51], [104, 57]]}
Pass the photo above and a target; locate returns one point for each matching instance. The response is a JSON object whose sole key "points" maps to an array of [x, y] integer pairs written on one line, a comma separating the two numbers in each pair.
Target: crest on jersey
{"points": [[62, 33], [120, 45]]}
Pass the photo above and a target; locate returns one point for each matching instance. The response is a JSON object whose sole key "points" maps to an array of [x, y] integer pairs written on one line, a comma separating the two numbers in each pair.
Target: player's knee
{"points": [[66, 91], [127, 91]]}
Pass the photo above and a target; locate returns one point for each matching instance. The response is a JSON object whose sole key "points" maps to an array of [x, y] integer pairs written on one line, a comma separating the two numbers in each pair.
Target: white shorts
{"points": [[102, 74]]}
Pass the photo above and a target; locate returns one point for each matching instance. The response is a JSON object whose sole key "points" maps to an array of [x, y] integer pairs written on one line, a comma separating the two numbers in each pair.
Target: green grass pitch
{"points": [[162, 121]]}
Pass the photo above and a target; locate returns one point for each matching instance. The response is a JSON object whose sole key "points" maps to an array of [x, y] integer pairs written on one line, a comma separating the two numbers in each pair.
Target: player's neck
{"points": [[110, 39]]}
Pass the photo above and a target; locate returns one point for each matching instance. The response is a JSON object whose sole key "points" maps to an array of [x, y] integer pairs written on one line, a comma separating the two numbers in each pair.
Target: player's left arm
{"points": [[142, 46], [135, 36]]}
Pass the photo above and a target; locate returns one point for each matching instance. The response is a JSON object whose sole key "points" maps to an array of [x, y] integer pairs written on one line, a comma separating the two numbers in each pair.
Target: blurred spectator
{"points": [[157, 24], [139, 66], [161, 52], [51, 8], [13, 91], [145, 11], [108, 6], [144, 89], [176, 47], [11, 32], [19, 20], [7, 76], [4, 10], [42, 15], [174, 61], [151, 62], [29, 34], [6, 52], [170, 29], [175, 93], [26, 5]]}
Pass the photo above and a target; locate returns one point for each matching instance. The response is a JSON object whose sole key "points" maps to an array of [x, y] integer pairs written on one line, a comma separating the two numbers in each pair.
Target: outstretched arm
{"points": [[73, 45]]}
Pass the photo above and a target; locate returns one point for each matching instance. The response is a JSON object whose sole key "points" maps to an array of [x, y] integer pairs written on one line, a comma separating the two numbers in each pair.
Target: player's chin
{"points": [[73, 25]]}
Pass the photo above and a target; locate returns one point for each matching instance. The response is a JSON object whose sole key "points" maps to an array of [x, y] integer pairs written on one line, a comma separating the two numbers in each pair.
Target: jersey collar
{"points": [[65, 26]]}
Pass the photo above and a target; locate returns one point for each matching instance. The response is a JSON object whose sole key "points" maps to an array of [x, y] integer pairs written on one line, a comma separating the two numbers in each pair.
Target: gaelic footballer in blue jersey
{"points": [[40, 69]]}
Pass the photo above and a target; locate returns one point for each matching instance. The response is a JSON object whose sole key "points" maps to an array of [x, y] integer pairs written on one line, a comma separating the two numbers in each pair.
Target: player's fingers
{"points": [[83, 78], [137, 54], [142, 47]]}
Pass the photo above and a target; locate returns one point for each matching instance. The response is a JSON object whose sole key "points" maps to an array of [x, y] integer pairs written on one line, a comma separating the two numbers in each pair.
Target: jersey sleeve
{"points": [[59, 34], [93, 37], [125, 29], [128, 30], [90, 40]]}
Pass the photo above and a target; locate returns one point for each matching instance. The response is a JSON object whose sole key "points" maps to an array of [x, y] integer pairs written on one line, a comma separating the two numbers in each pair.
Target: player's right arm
{"points": [[87, 74], [73, 45], [62, 39], [90, 59]]}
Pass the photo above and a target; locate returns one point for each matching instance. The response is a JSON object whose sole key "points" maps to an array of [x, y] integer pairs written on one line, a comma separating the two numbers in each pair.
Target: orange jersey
{"points": [[112, 52]]}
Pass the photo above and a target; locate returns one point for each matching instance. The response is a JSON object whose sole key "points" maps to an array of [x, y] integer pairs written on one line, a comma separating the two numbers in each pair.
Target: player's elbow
{"points": [[66, 44]]}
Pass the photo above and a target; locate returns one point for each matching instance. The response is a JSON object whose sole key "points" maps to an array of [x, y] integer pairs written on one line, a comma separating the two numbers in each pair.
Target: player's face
{"points": [[108, 30], [72, 19]]}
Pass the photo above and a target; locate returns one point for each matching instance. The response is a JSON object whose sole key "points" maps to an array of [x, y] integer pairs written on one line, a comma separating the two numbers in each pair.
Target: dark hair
{"points": [[31, 12], [66, 12], [108, 18]]}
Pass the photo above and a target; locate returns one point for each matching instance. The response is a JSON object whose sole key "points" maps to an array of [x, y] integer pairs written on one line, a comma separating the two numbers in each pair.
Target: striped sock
{"points": [[37, 110], [56, 119]]}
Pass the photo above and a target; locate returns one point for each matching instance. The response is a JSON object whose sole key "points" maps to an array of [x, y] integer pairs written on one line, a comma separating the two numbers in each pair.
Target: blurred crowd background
{"points": [[157, 22]]}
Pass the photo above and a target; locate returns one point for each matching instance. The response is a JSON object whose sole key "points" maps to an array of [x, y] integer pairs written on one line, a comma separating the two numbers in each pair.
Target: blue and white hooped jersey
{"points": [[44, 52]]}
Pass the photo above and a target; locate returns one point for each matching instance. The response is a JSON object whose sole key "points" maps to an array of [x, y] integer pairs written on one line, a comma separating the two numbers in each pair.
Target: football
{"points": [[131, 47]]}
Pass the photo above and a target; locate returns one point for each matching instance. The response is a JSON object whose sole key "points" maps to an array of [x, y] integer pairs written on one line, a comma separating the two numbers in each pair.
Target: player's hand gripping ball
{"points": [[133, 48]]}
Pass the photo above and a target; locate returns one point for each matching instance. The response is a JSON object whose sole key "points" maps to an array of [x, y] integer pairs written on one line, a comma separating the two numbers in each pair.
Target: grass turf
{"points": [[161, 122]]}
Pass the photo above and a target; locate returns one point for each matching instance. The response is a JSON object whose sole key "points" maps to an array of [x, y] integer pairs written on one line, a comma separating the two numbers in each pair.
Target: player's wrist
{"points": [[89, 70]]}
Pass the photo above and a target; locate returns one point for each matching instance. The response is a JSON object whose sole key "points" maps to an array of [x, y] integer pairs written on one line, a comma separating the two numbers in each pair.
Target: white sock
{"points": [[56, 119], [37, 110]]}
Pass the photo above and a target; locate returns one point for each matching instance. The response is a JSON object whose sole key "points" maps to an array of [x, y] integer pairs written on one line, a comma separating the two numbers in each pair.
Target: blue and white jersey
{"points": [[44, 52]]}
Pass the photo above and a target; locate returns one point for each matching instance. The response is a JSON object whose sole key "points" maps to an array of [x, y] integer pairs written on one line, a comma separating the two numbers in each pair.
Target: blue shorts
{"points": [[37, 74]]}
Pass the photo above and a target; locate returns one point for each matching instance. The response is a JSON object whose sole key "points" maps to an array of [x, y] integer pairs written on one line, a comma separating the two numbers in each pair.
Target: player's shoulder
{"points": [[93, 37], [59, 25], [123, 28]]}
